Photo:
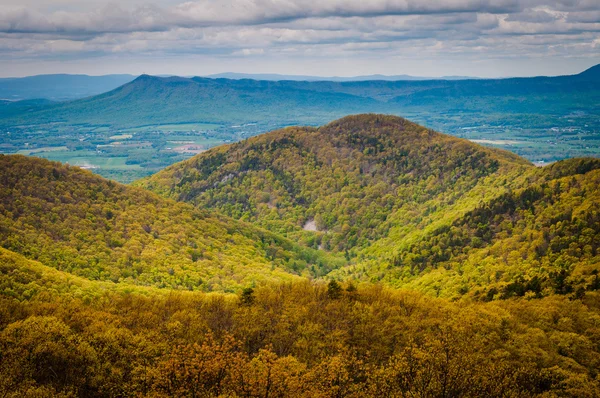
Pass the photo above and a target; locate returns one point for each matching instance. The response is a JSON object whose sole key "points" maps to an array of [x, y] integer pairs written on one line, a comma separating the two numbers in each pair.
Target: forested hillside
{"points": [[65, 336], [351, 177], [538, 240], [408, 206], [110, 290], [85, 225]]}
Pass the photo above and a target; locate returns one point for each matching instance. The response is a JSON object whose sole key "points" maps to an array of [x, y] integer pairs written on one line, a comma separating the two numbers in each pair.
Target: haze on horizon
{"points": [[484, 38]]}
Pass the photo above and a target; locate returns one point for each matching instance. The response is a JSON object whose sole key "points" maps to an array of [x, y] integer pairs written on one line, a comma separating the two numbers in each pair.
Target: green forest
{"points": [[367, 257]]}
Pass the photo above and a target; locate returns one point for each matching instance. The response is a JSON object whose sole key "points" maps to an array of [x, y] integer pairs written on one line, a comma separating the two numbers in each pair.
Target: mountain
{"points": [[154, 100], [161, 100], [404, 203], [94, 228], [59, 87], [110, 290], [592, 73], [279, 77], [350, 177]]}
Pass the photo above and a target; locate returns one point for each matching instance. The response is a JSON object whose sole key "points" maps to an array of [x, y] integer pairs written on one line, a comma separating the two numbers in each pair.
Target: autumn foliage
{"points": [[295, 340]]}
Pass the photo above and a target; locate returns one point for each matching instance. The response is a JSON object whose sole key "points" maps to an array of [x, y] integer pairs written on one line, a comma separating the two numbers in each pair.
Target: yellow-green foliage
{"points": [[23, 279], [356, 178], [533, 241], [94, 275], [76, 222], [408, 206], [296, 339]]}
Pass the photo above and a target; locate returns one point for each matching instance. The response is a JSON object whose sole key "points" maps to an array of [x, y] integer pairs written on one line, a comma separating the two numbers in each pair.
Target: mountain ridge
{"points": [[592, 72], [279, 77], [198, 99], [380, 189]]}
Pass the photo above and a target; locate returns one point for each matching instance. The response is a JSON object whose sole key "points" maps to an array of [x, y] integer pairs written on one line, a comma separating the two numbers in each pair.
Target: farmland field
{"points": [[123, 155]]}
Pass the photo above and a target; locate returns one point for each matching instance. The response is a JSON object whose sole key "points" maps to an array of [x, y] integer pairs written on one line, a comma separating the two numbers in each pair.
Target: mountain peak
{"points": [[144, 77], [593, 72], [147, 78], [370, 120]]}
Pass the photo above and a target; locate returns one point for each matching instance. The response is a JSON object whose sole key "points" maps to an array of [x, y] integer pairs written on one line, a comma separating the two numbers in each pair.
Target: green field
{"points": [[176, 127], [121, 137], [190, 139], [42, 149], [89, 160], [122, 155]]}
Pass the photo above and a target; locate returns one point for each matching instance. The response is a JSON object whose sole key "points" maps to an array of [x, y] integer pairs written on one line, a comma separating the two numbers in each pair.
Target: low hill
{"points": [[12, 108], [82, 224]]}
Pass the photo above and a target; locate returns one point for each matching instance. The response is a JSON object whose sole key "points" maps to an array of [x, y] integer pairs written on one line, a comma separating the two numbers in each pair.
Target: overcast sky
{"points": [[486, 38]]}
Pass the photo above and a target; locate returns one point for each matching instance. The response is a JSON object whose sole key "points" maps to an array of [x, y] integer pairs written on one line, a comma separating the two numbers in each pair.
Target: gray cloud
{"points": [[271, 31], [203, 13]]}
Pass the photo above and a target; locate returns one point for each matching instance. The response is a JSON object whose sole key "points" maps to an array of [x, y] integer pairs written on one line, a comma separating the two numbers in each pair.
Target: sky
{"points": [[484, 38]]}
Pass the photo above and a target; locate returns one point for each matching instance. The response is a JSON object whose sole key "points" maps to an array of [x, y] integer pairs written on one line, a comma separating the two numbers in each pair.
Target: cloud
{"points": [[327, 29], [249, 51], [204, 13]]}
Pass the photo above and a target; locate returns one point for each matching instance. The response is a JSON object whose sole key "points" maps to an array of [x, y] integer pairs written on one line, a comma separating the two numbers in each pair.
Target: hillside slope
{"points": [[536, 240], [82, 224], [23, 279], [351, 179], [94, 275], [408, 206], [66, 336]]}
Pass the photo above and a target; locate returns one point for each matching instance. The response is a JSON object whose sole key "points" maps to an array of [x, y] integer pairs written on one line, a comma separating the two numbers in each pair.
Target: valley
{"points": [[543, 119]]}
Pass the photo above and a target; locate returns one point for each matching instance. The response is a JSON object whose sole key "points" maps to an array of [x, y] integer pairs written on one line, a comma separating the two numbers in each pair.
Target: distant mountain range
{"points": [[149, 100], [62, 87], [279, 77], [59, 87]]}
